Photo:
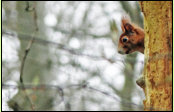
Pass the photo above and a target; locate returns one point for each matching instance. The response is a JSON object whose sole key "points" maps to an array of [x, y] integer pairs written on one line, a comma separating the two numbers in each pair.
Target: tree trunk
{"points": [[158, 54]]}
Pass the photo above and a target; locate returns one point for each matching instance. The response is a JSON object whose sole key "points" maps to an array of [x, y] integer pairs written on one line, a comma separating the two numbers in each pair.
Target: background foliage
{"points": [[73, 63]]}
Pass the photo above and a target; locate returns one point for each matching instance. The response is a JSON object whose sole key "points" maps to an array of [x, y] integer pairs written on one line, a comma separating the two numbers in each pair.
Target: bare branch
{"points": [[27, 50], [60, 89], [64, 47]]}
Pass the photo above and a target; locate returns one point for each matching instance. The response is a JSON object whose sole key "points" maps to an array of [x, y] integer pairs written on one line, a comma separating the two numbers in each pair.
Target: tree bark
{"points": [[158, 54]]}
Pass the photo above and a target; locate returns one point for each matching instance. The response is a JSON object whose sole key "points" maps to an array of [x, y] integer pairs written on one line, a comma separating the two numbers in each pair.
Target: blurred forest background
{"points": [[73, 63]]}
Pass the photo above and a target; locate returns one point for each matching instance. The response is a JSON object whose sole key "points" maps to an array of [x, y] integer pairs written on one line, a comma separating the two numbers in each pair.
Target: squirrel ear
{"points": [[126, 24], [128, 27]]}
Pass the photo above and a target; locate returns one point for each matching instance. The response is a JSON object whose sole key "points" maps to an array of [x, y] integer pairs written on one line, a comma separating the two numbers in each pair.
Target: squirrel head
{"points": [[132, 38]]}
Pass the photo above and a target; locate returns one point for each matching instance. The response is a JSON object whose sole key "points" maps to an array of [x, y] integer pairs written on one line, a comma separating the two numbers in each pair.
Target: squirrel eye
{"points": [[125, 39]]}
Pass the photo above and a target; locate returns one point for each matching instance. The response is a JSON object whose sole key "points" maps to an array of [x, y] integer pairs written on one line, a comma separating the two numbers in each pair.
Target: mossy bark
{"points": [[158, 54]]}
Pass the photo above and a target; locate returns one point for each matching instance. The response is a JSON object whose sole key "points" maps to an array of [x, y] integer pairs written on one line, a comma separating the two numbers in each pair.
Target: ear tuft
{"points": [[125, 19], [126, 24]]}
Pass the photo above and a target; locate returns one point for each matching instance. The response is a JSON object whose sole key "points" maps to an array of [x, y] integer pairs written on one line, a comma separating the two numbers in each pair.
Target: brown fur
{"points": [[135, 36]]}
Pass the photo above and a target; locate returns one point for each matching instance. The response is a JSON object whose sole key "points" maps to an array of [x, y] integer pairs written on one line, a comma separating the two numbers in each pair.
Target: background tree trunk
{"points": [[32, 72], [158, 54]]}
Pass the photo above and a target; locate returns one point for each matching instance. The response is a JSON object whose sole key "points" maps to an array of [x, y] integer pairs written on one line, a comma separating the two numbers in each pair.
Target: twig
{"points": [[28, 7], [60, 89], [64, 47], [27, 50], [113, 97], [21, 71]]}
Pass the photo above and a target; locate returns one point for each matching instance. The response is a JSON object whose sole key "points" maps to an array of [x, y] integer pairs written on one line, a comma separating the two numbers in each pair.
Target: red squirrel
{"points": [[132, 38]]}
